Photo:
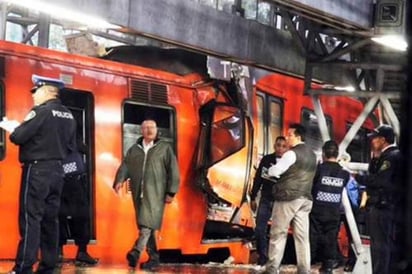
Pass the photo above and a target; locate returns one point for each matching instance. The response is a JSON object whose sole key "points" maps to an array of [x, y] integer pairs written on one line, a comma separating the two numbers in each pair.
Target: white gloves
{"points": [[9, 125]]}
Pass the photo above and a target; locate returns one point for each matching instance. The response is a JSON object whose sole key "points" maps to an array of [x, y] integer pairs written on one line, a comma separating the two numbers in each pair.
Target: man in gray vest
{"points": [[293, 201]]}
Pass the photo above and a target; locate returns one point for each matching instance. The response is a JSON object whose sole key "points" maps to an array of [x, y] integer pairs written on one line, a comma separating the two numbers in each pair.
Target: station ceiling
{"points": [[319, 40]]}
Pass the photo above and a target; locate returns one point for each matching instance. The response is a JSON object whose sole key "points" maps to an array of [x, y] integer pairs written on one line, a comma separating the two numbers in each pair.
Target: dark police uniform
{"points": [[383, 205], [328, 184], [45, 137], [264, 211]]}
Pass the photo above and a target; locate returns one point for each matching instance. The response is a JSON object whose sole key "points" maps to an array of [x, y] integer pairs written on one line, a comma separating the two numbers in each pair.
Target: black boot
{"points": [[83, 257], [132, 257], [327, 267]]}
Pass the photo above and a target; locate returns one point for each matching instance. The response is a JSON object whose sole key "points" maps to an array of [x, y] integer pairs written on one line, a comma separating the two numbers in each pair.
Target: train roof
{"points": [[173, 60]]}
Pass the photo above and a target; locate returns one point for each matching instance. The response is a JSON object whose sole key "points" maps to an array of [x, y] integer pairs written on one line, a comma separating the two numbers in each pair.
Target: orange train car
{"points": [[215, 135], [280, 101]]}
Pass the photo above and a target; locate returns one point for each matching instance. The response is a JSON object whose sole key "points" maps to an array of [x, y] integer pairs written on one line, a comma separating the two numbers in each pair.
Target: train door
{"points": [[2, 132], [81, 104], [269, 125]]}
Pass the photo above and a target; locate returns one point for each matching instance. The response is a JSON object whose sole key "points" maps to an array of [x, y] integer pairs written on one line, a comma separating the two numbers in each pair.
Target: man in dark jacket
{"points": [[74, 217], [328, 184], [152, 168], [384, 199], [266, 199], [292, 193], [45, 137]]}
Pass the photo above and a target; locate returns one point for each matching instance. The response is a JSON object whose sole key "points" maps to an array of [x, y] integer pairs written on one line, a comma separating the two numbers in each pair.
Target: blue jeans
{"points": [[261, 231]]}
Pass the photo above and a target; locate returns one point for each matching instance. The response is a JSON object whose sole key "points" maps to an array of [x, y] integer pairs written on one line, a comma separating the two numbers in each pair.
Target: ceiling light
{"points": [[397, 42], [64, 13], [347, 88]]}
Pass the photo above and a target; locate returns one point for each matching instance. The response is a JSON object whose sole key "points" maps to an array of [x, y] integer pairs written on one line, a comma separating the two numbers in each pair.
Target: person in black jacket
{"points": [[384, 199], [74, 217], [266, 199], [328, 184], [45, 137]]}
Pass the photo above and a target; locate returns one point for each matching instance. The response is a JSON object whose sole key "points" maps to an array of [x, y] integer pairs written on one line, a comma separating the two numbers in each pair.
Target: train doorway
{"points": [[81, 104]]}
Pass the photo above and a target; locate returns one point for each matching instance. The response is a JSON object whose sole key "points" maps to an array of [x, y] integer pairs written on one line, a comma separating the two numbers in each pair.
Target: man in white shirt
{"points": [[293, 201]]}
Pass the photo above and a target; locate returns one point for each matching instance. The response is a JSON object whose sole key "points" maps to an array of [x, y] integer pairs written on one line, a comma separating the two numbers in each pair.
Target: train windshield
{"points": [[227, 132], [222, 133]]}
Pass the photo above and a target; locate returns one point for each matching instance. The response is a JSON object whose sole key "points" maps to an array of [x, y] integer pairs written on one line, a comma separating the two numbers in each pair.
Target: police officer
{"points": [[44, 138], [328, 184], [266, 199], [384, 202]]}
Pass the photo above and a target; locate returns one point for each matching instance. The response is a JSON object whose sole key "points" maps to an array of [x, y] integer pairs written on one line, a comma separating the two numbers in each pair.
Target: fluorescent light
{"points": [[347, 88], [393, 41], [64, 13]]}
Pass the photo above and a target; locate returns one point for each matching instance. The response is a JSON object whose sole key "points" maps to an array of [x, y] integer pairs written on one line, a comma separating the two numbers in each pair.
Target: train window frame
{"points": [[2, 113], [151, 113], [206, 145], [271, 138], [266, 114], [309, 140], [224, 124], [260, 124]]}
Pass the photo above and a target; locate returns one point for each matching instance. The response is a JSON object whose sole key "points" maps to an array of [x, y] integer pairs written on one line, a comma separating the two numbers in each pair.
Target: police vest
{"points": [[328, 185]]}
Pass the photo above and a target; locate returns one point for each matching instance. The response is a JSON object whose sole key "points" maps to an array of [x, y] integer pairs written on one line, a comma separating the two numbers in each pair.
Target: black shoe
{"points": [[43, 270], [327, 267], [132, 257], [150, 265], [261, 262], [84, 258], [326, 270], [348, 267], [15, 272]]}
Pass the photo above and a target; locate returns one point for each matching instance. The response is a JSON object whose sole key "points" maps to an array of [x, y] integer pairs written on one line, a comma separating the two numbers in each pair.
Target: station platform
{"points": [[211, 268]]}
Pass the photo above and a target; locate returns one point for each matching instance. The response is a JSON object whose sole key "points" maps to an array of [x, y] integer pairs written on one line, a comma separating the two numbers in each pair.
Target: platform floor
{"points": [[211, 268]]}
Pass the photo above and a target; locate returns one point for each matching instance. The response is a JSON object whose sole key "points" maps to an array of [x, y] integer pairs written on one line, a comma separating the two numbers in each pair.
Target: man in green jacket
{"points": [[151, 166]]}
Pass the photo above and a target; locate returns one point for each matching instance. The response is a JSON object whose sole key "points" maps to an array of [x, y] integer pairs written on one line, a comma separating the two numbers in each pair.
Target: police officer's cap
{"points": [[384, 131], [40, 81]]}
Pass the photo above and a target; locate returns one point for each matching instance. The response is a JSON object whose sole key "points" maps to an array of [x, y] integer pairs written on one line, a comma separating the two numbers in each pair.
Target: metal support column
{"points": [[363, 256], [323, 127], [390, 113], [3, 20], [369, 106], [44, 30]]}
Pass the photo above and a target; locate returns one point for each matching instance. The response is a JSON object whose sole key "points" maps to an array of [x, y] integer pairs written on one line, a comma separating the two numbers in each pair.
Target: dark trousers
{"points": [[76, 228], [324, 227], [380, 224], [40, 190], [261, 231], [74, 215]]}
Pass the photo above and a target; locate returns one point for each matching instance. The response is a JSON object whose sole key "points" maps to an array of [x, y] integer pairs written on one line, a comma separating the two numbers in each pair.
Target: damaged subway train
{"points": [[217, 128]]}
